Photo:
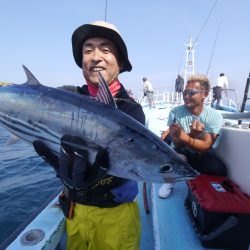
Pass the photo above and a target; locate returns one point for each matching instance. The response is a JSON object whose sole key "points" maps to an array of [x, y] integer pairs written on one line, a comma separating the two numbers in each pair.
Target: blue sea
{"points": [[26, 182]]}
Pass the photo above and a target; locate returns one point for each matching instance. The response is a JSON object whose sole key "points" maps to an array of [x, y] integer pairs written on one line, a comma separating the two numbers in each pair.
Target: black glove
{"points": [[72, 166], [47, 154]]}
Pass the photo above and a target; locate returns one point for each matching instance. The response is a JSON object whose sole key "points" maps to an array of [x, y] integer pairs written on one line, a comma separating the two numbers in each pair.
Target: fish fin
{"points": [[78, 144], [31, 80], [95, 155], [12, 140], [103, 94]]}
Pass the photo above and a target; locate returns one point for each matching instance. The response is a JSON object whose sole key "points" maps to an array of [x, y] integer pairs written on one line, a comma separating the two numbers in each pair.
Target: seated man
{"points": [[193, 128]]}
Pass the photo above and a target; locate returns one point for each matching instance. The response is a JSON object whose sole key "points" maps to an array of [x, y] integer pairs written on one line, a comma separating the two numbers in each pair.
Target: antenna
{"points": [[106, 6], [189, 66]]}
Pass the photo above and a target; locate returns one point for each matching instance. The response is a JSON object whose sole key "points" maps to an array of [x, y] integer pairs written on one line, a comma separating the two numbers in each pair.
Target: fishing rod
{"points": [[204, 24], [212, 53], [106, 7], [180, 63]]}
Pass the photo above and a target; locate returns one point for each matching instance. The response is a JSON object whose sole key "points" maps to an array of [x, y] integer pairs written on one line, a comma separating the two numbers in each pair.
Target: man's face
{"points": [[194, 95], [99, 55]]}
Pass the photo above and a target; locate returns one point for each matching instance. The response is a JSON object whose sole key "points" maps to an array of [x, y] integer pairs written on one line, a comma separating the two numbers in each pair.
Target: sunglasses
{"points": [[191, 92]]}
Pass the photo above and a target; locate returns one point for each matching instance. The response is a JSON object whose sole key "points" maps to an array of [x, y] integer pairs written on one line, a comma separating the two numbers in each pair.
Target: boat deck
{"points": [[172, 227], [167, 225]]}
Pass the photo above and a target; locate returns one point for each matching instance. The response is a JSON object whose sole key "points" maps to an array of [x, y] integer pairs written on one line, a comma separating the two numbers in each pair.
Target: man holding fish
{"points": [[101, 209]]}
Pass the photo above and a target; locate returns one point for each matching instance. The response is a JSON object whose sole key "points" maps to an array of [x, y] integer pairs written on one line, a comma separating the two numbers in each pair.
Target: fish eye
{"points": [[166, 168]]}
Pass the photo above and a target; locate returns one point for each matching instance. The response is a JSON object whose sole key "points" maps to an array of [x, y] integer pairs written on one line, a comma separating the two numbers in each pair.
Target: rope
{"points": [[215, 41]]}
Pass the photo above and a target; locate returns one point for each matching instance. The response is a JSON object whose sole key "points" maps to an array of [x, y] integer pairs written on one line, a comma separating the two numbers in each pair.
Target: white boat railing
{"points": [[161, 97], [229, 98]]}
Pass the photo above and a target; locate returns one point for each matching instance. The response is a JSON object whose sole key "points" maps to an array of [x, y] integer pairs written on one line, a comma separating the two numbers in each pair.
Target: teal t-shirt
{"points": [[211, 118]]}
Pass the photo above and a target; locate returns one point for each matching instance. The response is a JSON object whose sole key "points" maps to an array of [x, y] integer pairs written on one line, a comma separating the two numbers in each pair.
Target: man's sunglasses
{"points": [[191, 92]]}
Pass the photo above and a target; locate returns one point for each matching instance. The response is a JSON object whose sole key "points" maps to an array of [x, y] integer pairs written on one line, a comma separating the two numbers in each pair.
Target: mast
{"points": [[189, 66]]}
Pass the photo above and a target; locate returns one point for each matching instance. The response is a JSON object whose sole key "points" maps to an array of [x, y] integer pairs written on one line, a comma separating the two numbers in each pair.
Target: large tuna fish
{"points": [[34, 112]]}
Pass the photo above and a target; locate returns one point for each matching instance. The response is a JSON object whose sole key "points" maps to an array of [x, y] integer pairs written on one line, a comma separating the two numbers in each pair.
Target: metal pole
{"points": [[245, 98], [106, 6]]}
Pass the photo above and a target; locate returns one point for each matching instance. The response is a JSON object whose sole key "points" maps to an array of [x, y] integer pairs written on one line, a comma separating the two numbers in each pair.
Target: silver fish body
{"points": [[33, 111]]}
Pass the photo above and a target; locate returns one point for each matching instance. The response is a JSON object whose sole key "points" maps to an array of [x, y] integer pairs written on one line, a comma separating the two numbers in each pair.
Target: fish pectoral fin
{"points": [[77, 144], [97, 156], [12, 140]]}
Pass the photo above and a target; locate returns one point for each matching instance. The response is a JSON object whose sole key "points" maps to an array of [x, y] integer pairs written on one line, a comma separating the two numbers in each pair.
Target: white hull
{"points": [[233, 148], [51, 221]]}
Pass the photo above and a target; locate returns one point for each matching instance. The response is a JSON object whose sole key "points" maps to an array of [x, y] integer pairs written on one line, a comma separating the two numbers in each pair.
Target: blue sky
{"points": [[38, 35]]}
